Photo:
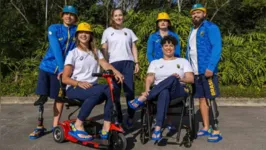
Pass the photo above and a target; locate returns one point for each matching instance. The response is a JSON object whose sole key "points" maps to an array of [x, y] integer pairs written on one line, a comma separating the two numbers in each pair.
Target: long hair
{"points": [[91, 43], [112, 22]]}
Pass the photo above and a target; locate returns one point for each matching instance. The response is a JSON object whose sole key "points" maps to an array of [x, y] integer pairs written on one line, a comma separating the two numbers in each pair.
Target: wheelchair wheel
{"points": [[146, 122], [58, 134], [117, 141]]}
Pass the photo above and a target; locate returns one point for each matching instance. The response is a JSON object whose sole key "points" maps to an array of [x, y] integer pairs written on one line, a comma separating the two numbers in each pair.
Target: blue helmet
{"points": [[69, 9], [198, 7]]}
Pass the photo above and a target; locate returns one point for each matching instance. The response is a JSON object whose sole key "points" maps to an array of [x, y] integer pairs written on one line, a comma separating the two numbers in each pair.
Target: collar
{"points": [[169, 32]]}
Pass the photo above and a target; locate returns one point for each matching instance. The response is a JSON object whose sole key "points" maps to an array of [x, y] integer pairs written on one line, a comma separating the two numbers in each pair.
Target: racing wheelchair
{"points": [[182, 106], [116, 139]]}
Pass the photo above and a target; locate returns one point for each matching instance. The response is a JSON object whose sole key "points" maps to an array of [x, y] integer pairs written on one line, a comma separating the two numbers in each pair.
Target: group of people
{"points": [[73, 54]]}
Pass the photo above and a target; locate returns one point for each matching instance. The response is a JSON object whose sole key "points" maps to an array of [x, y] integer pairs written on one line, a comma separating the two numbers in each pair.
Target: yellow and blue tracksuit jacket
{"points": [[61, 41], [209, 47], [154, 47]]}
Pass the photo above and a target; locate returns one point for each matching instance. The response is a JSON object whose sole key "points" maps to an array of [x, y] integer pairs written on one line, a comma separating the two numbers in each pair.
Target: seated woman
{"points": [[169, 74], [80, 63]]}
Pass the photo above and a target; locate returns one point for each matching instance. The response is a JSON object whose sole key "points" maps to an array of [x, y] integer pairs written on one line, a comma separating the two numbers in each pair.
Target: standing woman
{"points": [[119, 46], [154, 47]]}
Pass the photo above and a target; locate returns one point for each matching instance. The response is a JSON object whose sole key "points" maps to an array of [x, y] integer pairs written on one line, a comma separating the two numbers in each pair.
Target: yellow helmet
{"points": [[163, 16], [84, 27]]}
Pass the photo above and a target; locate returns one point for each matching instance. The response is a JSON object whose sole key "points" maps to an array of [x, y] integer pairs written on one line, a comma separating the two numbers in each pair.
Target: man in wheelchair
{"points": [[169, 75]]}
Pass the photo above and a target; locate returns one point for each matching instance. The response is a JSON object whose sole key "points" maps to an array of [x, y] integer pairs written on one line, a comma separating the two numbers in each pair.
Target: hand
{"points": [[119, 77], [59, 75], [136, 68], [146, 93], [84, 85], [208, 73], [176, 75]]}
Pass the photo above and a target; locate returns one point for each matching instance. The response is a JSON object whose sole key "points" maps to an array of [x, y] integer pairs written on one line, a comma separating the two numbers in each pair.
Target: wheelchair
{"points": [[186, 104], [116, 139]]}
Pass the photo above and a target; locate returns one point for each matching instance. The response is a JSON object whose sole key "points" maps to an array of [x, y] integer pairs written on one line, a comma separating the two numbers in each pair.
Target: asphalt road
{"points": [[243, 128]]}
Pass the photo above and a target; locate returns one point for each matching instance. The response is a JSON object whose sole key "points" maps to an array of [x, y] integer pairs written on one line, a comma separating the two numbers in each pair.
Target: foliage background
{"points": [[242, 67]]}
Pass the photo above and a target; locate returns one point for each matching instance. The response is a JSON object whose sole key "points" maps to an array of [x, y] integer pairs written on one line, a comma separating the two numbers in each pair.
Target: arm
{"points": [[150, 48], [105, 45], [66, 76], [135, 55], [106, 66], [188, 77], [149, 81], [55, 47], [69, 81], [216, 42], [105, 51]]}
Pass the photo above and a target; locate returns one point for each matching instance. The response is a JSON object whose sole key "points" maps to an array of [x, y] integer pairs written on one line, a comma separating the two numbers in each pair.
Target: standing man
{"points": [[204, 51], [61, 40]]}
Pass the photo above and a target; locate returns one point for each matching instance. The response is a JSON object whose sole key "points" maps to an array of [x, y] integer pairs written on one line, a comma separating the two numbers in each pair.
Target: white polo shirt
{"points": [[165, 68], [119, 43], [84, 64], [193, 51]]}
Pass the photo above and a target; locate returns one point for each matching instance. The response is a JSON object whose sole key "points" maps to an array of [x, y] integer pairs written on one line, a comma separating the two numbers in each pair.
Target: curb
{"points": [[222, 101]]}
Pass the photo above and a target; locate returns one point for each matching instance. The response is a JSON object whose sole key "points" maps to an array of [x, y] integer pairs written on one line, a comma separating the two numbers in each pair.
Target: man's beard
{"points": [[198, 22]]}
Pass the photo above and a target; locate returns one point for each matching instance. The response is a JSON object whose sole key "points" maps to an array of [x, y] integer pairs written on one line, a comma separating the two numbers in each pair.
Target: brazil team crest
{"points": [[202, 33], [178, 66]]}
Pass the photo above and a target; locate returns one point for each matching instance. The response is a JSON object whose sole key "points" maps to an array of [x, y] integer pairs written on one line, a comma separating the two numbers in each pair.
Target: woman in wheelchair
{"points": [[80, 63], [169, 75]]}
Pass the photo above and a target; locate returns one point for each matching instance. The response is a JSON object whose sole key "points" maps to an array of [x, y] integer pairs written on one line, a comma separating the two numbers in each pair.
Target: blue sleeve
{"points": [[178, 47], [215, 38], [150, 48], [55, 47]]}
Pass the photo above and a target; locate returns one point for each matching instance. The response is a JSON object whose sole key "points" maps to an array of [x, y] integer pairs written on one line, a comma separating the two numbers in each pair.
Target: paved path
{"points": [[243, 128]]}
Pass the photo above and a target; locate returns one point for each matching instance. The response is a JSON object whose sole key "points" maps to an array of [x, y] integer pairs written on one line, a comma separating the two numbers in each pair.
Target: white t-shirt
{"points": [[193, 50], [119, 43], [84, 64], [165, 68]]}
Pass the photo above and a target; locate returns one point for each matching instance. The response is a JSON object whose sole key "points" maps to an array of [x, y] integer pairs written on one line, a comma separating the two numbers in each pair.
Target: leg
{"points": [[54, 91], [171, 83], [58, 109], [117, 92], [162, 107], [108, 109], [93, 97], [211, 90], [128, 87], [199, 92], [42, 89], [204, 110]]}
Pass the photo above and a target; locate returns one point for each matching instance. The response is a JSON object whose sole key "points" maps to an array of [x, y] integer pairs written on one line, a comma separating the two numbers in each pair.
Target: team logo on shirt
{"points": [[81, 58], [161, 67], [157, 41], [112, 34], [125, 33], [73, 39], [177, 66], [60, 39], [202, 33]]}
